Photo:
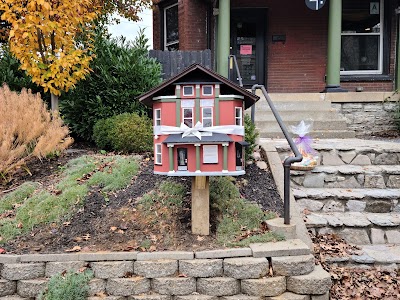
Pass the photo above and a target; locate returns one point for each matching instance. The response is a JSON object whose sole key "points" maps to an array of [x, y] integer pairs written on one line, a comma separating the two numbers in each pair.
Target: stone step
{"points": [[349, 176], [327, 124], [321, 134], [296, 116], [385, 256], [343, 146], [357, 227], [308, 106], [348, 200]]}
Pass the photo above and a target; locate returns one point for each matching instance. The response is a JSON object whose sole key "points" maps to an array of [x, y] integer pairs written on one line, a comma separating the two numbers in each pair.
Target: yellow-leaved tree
{"points": [[44, 37]]}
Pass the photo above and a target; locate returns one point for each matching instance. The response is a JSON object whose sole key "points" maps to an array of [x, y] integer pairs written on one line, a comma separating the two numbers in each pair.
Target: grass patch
{"points": [[31, 206], [159, 211], [239, 223], [15, 198]]}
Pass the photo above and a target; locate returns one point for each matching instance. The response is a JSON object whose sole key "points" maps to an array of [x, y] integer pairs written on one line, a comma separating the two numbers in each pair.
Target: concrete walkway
{"points": [[353, 192]]}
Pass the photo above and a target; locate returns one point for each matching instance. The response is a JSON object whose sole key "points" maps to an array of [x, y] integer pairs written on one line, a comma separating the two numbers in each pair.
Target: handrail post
{"points": [[288, 161]]}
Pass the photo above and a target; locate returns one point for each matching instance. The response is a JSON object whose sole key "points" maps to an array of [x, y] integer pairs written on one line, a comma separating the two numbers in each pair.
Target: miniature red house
{"points": [[198, 124]]}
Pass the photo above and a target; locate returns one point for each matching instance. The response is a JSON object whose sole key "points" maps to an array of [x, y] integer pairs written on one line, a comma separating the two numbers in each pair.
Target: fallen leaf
{"points": [[86, 237], [152, 248], [66, 224], [2, 251], [182, 275], [200, 238], [113, 228], [74, 249], [20, 225]]}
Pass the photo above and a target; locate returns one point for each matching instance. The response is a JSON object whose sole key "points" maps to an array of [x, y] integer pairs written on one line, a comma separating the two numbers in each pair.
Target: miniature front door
{"points": [[239, 157], [182, 159]]}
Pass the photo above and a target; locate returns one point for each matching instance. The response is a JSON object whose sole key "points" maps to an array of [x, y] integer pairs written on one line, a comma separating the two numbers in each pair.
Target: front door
{"points": [[182, 159], [239, 157], [248, 34]]}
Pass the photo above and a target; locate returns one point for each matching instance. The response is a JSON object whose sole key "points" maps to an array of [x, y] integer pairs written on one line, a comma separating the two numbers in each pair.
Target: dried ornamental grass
{"points": [[27, 129]]}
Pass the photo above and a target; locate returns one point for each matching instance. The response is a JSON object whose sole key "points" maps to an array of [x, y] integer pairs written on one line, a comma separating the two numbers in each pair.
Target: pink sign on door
{"points": [[246, 49]]}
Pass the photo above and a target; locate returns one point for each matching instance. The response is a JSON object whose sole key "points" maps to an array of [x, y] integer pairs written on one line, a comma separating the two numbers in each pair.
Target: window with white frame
{"points": [[187, 116], [157, 117], [207, 116], [158, 154], [207, 90], [238, 116], [362, 37], [171, 28], [188, 90]]}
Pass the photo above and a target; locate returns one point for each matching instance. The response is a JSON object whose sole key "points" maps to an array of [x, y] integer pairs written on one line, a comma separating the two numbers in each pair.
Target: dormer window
{"points": [[207, 90], [188, 90]]}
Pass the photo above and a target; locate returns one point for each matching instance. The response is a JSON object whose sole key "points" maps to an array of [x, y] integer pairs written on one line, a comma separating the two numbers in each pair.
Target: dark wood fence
{"points": [[175, 61]]}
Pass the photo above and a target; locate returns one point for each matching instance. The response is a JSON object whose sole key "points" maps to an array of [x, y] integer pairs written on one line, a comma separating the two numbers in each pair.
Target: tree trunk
{"points": [[54, 102]]}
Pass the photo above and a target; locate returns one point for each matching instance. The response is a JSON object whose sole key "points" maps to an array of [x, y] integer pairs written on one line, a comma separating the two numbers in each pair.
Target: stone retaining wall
{"points": [[281, 270], [368, 118]]}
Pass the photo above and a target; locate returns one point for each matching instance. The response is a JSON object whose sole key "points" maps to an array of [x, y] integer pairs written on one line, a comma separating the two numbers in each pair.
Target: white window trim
{"points": [[166, 45], [207, 118], [191, 94], [156, 153], [241, 115], [155, 117], [380, 58], [183, 115], [212, 90]]}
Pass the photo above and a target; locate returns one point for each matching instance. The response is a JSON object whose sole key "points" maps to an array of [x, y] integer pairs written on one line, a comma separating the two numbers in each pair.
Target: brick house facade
{"points": [[293, 39]]}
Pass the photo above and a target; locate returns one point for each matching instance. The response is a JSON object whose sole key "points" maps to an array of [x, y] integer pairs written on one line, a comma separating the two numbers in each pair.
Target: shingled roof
{"points": [[198, 74]]}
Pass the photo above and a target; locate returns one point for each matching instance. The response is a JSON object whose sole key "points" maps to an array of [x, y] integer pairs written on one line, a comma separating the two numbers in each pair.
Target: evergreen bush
{"points": [[124, 133], [121, 72], [250, 136], [68, 286]]}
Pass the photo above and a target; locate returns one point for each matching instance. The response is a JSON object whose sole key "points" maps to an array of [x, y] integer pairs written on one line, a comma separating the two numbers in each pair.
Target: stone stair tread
{"points": [[345, 194], [339, 144], [352, 219], [358, 169], [322, 134]]}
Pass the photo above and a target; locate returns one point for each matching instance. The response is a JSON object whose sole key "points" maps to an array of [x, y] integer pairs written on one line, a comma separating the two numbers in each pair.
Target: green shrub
{"points": [[69, 286], [234, 214], [250, 136], [125, 132], [121, 72]]}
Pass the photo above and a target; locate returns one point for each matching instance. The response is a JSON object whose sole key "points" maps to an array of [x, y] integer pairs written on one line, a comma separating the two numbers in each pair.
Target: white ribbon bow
{"points": [[197, 129]]}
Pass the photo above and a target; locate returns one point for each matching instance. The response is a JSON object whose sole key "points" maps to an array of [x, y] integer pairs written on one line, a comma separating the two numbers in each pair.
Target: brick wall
{"points": [[192, 25], [299, 65]]}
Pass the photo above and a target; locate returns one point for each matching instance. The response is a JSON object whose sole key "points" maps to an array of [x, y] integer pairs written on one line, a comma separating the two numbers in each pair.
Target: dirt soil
{"points": [[107, 222]]}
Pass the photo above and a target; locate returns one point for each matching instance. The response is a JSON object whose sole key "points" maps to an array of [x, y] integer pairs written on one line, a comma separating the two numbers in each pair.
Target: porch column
{"points": [[225, 158], [334, 47], [223, 41], [197, 158], [397, 81]]}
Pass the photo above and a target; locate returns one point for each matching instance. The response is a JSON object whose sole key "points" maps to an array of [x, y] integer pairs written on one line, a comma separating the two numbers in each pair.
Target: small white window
{"points": [[207, 116], [158, 155], [188, 116], [238, 116], [188, 90], [207, 90], [157, 117], [210, 154]]}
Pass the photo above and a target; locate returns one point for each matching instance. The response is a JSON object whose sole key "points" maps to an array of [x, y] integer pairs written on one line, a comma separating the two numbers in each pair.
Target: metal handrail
{"points": [[288, 161], [239, 78]]}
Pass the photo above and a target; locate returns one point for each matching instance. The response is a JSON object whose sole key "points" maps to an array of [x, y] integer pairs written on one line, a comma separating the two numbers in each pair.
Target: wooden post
{"points": [[200, 205]]}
